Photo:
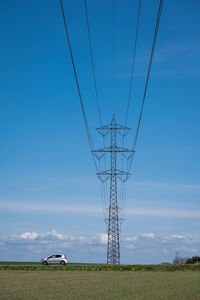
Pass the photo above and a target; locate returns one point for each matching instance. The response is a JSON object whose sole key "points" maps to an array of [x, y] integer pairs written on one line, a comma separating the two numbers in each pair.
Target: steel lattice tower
{"points": [[113, 247]]}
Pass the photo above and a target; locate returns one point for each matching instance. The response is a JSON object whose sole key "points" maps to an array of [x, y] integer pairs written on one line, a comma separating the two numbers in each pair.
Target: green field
{"points": [[26, 280], [183, 285]]}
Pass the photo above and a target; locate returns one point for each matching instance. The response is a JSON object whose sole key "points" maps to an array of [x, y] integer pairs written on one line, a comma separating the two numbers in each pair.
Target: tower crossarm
{"points": [[110, 126], [111, 149], [113, 172]]}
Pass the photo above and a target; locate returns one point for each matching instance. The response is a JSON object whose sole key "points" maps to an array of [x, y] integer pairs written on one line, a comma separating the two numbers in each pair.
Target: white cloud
{"points": [[34, 246], [27, 236], [150, 235], [130, 239], [176, 236], [53, 234], [130, 247], [101, 238]]}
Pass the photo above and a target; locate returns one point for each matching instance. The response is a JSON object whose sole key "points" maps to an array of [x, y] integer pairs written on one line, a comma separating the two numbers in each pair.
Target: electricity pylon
{"points": [[114, 173]]}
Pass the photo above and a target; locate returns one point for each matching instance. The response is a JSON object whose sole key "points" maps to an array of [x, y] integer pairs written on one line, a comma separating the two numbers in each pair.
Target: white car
{"points": [[54, 259]]}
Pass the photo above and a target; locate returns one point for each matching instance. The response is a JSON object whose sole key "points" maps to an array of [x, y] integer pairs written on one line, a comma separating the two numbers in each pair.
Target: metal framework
{"points": [[113, 174]]}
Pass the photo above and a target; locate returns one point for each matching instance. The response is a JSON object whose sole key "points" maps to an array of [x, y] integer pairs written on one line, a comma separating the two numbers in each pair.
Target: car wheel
{"points": [[62, 262], [45, 263]]}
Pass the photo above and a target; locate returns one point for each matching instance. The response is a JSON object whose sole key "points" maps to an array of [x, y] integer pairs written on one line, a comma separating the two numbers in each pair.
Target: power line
{"points": [[103, 184], [148, 75], [124, 184], [113, 46], [113, 254], [133, 62], [92, 62], [145, 90], [78, 87]]}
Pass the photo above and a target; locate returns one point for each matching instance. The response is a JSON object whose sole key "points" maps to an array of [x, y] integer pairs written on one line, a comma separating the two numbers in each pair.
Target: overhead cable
{"points": [[133, 62], [114, 49], [92, 62], [103, 184], [77, 84], [148, 75]]}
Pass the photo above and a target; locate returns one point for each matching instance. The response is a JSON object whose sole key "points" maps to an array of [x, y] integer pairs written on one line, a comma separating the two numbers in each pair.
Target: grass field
{"points": [[29, 280], [183, 285]]}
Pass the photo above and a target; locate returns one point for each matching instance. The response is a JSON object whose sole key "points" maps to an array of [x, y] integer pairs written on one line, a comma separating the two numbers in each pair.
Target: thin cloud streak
{"points": [[87, 209], [170, 186], [163, 212]]}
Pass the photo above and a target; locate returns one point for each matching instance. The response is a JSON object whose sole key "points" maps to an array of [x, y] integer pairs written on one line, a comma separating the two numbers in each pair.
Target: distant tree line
{"points": [[193, 260], [186, 260]]}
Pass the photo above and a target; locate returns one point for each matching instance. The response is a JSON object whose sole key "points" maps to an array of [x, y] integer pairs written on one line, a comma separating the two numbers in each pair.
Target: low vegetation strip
{"points": [[95, 267]]}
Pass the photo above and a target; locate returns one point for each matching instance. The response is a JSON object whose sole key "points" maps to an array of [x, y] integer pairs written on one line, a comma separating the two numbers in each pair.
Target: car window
{"points": [[52, 256], [58, 256]]}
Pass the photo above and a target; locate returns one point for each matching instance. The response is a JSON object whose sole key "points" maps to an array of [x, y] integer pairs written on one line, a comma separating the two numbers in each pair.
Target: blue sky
{"points": [[49, 194]]}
